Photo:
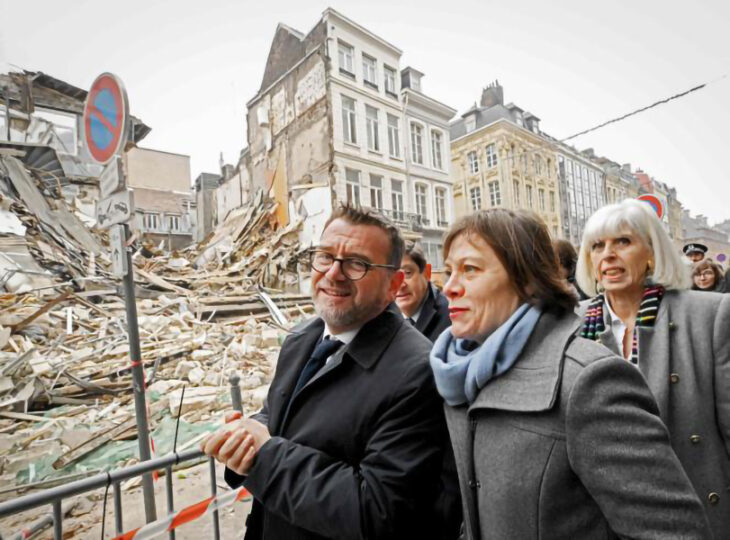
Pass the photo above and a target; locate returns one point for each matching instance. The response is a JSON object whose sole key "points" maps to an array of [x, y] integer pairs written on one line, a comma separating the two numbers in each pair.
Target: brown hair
{"points": [[704, 264], [567, 256], [365, 216], [522, 243], [416, 254]]}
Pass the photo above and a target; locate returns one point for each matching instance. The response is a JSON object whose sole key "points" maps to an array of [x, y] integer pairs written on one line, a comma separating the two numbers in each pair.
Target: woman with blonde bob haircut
{"points": [[553, 436], [678, 339]]}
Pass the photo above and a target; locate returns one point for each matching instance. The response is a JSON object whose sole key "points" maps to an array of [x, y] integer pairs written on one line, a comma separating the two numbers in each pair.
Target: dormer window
{"points": [[470, 123]]}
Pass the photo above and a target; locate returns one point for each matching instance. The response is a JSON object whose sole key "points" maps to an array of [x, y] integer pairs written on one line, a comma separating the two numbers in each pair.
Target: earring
{"points": [[600, 289]]}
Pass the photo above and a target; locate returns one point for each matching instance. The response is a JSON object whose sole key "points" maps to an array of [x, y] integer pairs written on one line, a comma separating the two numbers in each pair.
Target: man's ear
{"points": [[427, 271], [395, 282]]}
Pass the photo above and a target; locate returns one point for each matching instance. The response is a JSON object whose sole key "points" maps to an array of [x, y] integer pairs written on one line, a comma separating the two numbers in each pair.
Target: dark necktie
{"points": [[413, 323], [322, 352]]}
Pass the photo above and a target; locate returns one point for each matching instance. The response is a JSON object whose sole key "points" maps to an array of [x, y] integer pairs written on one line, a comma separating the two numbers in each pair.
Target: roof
{"points": [[484, 117]]}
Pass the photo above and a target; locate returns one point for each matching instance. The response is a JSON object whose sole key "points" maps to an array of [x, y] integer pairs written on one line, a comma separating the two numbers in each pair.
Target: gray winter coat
{"points": [[685, 359], [568, 444]]}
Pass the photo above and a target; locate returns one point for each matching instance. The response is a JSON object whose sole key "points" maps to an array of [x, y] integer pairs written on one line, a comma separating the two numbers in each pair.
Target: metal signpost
{"points": [[106, 128]]}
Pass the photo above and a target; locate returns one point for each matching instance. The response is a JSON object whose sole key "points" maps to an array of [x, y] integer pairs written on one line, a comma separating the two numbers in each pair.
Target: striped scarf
{"points": [[594, 324]]}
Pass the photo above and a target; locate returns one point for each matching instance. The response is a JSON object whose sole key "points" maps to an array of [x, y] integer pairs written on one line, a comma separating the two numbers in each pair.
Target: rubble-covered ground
{"points": [[206, 312]]}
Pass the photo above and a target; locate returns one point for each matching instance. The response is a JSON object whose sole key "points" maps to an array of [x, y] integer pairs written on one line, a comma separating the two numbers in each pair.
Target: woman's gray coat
{"points": [[568, 444], [685, 359]]}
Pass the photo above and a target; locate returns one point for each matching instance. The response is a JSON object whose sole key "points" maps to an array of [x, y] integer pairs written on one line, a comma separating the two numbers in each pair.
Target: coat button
{"points": [[672, 325], [674, 378], [694, 439], [474, 484], [713, 497]]}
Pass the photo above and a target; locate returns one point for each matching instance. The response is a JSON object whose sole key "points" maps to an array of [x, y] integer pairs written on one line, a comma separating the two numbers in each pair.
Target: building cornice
{"points": [[329, 12], [523, 131], [427, 102]]}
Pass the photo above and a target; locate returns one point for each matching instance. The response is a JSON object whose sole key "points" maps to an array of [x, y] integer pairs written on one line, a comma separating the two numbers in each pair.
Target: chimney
{"points": [[492, 95], [626, 167]]}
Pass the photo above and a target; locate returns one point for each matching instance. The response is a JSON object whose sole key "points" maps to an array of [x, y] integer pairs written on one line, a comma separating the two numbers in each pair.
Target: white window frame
{"points": [[516, 192], [389, 80], [393, 136], [373, 128], [440, 197], [174, 222], [396, 198], [346, 57], [376, 191], [495, 193], [352, 187], [417, 143], [528, 196], [472, 160], [151, 221], [552, 201], [491, 155], [369, 70], [420, 198], [349, 119], [437, 149], [541, 199], [475, 197]]}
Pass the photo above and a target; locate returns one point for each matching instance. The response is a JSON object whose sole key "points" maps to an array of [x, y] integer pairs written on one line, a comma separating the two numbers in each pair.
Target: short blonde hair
{"points": [[640, 219]]}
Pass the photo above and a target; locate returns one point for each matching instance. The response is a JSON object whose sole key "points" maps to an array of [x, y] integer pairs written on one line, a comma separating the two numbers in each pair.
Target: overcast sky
{"points": [[190, 67]]}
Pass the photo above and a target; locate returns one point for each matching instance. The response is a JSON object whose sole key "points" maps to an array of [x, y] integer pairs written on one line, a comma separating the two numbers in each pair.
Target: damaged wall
{"points": [[289, 125]]}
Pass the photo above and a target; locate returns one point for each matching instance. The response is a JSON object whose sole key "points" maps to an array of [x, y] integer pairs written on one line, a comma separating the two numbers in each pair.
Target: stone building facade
{"points": [[500, 158], [331, 123]]}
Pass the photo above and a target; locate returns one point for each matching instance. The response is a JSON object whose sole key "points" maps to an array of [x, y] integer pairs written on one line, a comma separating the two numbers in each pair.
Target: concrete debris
{"points": [[205, 312]]}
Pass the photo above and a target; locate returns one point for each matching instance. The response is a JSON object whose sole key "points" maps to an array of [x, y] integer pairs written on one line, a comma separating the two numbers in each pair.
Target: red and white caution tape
{"points": [[186, 515]]}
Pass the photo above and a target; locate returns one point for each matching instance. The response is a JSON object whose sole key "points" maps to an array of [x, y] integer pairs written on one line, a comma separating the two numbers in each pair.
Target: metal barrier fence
{"points": [[54, 496]]}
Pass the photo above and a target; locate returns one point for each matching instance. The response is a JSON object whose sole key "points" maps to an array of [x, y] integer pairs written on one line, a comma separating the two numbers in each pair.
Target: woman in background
{"points": [[678, 339]]}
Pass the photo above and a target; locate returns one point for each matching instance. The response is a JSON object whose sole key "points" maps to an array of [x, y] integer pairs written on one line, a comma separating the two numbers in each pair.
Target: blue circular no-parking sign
{"points": [[105, 117]]}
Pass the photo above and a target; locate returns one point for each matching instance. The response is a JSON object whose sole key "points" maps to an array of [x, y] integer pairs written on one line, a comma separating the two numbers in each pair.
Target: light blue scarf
{"points": [[462, 367]]}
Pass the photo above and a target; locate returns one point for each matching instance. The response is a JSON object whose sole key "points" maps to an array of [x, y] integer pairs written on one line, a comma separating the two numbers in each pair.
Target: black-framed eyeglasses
{"points": [[352, 268]]}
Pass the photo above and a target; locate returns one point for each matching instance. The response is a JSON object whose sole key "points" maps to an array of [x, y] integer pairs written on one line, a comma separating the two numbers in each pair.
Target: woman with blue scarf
{"points": [[554, 435]]}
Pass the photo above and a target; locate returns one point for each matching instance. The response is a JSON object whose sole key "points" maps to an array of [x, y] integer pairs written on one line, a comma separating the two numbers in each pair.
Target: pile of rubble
{"points": [[205, 312]]}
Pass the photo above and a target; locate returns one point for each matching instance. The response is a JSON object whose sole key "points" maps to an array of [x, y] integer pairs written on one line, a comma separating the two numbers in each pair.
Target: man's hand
{"points": [[236, 443]]}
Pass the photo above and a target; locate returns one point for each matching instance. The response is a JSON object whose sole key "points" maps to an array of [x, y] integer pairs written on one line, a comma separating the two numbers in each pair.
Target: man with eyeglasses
{"points": [[350, 441]]}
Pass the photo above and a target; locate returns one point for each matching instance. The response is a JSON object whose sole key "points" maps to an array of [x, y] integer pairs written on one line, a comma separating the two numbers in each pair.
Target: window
{"points": [[393, 136], [523, 162], [369, 71], [151, 221], [345, 55], [417, 144], [64, 129], [353, 186], [495, 197], [421, 205], [371, 122], [436, 158], [440, 197], [173, 223], [555, 231], [491, 156], [376, 191], [528, 191], [473, 162], [475, 196], [433, 253], [396, 194], [389, 77], [470, 123], [349, 127], [541, 199], [552, 201], [538, 165], [516, 191], [3, 127]]}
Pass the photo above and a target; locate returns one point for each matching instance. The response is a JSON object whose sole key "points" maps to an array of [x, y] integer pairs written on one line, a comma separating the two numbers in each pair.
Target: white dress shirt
{"points": [[344, 337], [618, 329]]}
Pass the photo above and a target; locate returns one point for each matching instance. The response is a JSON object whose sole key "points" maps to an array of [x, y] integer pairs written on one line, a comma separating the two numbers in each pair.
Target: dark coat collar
{"points": [[533, 383], [428, 310]]}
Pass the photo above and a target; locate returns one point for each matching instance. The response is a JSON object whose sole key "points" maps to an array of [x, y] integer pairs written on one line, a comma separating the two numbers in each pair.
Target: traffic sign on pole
{"points": [[117, 208], [654, 202], [112, 178], [106, 118], [118, 248]]}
